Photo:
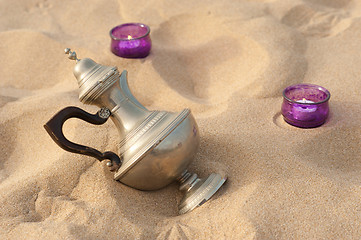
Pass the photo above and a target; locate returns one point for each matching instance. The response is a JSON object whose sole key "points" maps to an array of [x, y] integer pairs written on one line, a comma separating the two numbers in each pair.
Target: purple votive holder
{"points": [[305, 105], [130, 40]]}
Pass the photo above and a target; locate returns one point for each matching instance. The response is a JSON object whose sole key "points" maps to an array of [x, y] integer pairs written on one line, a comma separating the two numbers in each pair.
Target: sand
{"points": [[228, 61]]}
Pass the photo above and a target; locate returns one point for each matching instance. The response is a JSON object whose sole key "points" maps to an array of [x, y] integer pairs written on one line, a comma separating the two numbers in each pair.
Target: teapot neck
{"points": [[127, 112]]}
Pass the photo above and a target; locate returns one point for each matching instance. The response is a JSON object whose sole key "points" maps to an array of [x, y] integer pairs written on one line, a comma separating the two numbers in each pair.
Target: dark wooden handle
{"points": [[55, 129]]}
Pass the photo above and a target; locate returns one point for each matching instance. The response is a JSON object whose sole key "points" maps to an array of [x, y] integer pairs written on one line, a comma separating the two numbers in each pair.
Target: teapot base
{"points": [[200, 191]]}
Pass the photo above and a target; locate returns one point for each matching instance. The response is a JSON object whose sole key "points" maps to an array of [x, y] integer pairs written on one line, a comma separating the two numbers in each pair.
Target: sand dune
{"points": [[229, 62]]}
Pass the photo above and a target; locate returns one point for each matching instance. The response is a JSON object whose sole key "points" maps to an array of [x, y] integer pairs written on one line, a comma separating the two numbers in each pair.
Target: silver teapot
{"points": [[155, 148]]}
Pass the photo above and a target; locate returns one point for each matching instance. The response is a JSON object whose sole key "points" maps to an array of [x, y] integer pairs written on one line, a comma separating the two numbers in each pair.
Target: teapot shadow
{"points": [[154, 204]]}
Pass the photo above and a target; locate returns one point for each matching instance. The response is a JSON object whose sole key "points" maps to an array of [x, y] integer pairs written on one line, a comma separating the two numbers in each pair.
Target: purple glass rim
{"points": [[314, 86], [142, 25]]}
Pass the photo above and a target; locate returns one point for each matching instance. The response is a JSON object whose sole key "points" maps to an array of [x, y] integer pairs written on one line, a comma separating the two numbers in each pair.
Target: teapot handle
{"points": [[55, 129]]}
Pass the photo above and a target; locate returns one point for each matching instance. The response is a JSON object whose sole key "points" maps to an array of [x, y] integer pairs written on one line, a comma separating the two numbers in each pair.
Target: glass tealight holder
{"points": [[305, 105], [131, 40]]}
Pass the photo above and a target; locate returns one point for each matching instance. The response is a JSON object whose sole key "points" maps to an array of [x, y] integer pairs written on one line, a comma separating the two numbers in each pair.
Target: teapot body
{"points": [[156, 147], [163, 159]]}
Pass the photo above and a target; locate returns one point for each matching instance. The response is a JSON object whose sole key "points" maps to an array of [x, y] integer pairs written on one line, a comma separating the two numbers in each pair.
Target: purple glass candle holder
{"points": [[131, 40], [305, 105]]}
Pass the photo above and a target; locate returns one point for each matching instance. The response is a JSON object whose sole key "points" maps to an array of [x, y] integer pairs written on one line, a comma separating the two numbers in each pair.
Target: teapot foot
{"points": [[198, 191]]}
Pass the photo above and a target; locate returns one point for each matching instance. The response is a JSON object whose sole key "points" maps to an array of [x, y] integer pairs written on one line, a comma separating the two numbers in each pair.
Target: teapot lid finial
{"points": [[72, 55], [93, 78]]}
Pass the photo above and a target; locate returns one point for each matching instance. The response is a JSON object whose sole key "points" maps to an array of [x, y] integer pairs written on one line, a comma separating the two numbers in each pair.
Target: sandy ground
{"points": [[228, 61]]}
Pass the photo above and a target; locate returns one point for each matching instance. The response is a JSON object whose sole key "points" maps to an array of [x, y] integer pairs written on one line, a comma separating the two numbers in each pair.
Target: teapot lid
{"points": [[93, 78]]}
